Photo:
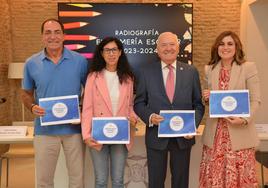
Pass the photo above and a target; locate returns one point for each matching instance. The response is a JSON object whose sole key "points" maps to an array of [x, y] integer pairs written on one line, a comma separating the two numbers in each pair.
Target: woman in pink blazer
{"points": [[228, 158], [108, 93]]}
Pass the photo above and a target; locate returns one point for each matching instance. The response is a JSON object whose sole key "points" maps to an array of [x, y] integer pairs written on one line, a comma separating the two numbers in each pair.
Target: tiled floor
{"points": [[21, 173]]}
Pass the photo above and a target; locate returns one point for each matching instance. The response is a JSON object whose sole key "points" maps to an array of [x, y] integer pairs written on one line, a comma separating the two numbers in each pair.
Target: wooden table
{"points": [[28, 139]]}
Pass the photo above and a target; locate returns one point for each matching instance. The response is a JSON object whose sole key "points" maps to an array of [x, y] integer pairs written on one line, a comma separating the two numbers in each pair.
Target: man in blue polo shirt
{"points": [[55, 71]]}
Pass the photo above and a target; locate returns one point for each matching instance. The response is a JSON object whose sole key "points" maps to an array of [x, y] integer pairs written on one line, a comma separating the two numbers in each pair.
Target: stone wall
{"points": [[20, 37]]}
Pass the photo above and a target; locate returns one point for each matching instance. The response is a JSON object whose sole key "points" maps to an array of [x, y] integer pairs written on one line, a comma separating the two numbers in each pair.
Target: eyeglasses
{"points": [[109, 50]]}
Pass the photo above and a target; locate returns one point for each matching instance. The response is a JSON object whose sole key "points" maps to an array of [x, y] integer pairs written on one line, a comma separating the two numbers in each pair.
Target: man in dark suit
{"points": [[152, 96]]}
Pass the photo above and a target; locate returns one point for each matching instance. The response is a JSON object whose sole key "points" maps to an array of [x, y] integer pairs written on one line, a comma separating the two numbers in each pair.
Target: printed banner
{"points": [[177, 123], [137, 25], [60, 110], [224, 103], [111, 130]]}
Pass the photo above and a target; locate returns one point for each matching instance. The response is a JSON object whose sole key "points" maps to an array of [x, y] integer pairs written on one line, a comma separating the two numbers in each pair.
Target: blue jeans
{"points": [[113, 157]]}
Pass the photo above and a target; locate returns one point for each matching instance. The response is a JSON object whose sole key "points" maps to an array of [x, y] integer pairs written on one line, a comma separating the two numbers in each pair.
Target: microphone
{"points": [[2, 100]]}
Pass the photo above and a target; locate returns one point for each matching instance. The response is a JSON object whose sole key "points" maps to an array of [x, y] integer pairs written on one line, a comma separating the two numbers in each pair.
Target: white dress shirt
{"points": [[165, 71]]}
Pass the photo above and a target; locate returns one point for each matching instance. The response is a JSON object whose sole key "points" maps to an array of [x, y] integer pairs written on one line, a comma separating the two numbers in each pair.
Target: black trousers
{"points": [[179, 165]]}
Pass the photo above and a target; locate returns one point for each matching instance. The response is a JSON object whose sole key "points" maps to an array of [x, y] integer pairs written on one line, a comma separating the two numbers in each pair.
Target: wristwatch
{"points": [[32, 105]]}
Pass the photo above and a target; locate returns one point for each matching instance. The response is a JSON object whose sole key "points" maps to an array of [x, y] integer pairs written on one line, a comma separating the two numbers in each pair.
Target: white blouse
{"points": [[112, 81]]}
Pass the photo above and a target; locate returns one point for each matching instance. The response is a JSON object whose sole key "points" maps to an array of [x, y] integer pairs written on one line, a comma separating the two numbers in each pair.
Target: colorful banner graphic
{"points": [[136, 25]]}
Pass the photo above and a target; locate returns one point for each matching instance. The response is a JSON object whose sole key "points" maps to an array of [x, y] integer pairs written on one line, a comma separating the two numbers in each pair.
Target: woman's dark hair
{"points": [[123, 68], [239, 56]]}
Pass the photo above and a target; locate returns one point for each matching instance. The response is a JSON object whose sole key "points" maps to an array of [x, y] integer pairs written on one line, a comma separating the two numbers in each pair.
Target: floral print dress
{"points": [[221, 167]]}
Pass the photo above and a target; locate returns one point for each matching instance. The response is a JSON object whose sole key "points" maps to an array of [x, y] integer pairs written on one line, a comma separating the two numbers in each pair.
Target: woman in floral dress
{"points": [[228, 158]]}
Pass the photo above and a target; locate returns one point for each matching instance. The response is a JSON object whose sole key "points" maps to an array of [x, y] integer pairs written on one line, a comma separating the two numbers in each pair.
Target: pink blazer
{"points": [[97, 103]]}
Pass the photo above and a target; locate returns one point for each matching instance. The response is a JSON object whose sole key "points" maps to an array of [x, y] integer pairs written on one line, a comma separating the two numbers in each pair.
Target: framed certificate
{"points": [[111, 130], [224, 103], [177, 123], [60, 110]]}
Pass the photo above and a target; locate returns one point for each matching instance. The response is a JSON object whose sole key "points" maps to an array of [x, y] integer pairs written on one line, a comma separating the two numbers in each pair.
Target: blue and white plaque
{"points": [[226, 103], [60, 110], [111, 130], [177, 123]]}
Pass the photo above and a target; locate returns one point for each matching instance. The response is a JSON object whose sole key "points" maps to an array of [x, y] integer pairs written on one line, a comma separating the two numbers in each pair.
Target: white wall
{"points": [[254, 35]]}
